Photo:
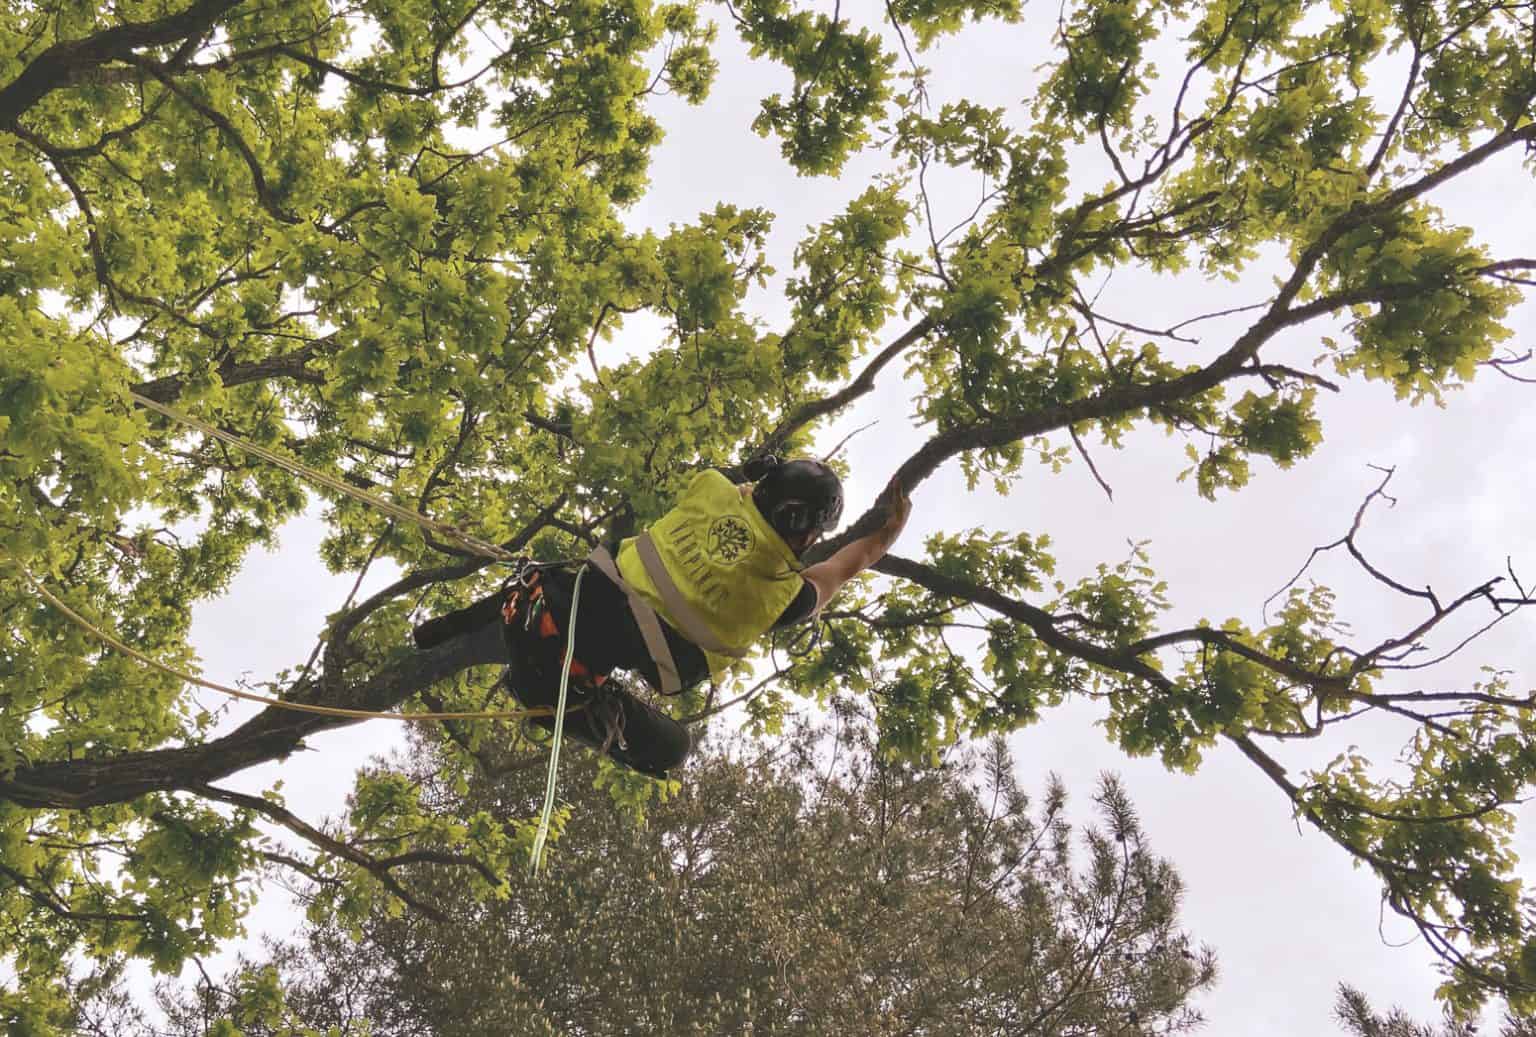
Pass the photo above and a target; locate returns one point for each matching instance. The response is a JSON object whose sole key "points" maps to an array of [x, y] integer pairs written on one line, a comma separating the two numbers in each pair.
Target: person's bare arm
{"points": [[848, 561]]}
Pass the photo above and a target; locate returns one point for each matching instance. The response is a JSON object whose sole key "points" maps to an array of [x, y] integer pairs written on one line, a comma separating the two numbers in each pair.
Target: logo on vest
{"points": [[730, 540]]}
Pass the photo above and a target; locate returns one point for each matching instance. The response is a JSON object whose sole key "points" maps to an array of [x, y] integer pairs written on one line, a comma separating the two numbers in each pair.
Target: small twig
{"points": [[1083, 451], [1347, 540], [1509, 567], [917, 72], [597, 327], [1269, 373], [844, 441], [1084, 307], [1212, 316], [1503, 364], [748, 695], [309, 664], [1495, 621]]}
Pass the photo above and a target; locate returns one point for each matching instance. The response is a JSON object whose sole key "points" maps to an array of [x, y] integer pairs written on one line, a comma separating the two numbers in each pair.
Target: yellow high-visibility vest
{"points": [[729, 567]]}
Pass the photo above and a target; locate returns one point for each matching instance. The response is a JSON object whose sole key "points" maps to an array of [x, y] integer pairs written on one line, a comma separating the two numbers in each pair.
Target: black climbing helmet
{"points": [[799, 496]]}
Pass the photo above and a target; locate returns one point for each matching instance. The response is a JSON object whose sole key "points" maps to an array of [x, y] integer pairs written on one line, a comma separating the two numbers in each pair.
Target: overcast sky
{"points": [[1288, 914]]}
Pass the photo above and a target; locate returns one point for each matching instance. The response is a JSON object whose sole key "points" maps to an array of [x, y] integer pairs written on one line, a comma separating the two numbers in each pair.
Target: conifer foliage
{"points": [[805, 886]]}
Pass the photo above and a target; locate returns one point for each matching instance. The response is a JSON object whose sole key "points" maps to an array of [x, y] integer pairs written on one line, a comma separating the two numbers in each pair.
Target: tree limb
{"points": [[809, 412], [264, 193], [68, 61], [379, 869], [232, 373]]}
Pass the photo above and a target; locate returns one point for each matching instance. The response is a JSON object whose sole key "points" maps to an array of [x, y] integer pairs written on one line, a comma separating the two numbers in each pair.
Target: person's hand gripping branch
{"points": [[848, 561]]}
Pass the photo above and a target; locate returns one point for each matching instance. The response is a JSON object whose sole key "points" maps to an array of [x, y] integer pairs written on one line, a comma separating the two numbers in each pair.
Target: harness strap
{"points": [[692, 624], [646, 619]]}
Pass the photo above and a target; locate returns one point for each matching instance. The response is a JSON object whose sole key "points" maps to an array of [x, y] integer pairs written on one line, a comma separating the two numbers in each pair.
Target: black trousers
{"points": [[636, 734]]}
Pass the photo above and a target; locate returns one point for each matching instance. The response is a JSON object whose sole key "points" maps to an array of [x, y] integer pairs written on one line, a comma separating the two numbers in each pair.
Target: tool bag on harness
{"points": [[600, 711]]}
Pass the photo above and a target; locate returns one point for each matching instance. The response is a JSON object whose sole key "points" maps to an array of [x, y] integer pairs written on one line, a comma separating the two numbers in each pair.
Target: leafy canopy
{"points": [[389, 239]]}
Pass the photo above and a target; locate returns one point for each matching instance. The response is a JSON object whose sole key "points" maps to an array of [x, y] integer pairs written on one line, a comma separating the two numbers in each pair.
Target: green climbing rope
{"points": [[536, 858]]}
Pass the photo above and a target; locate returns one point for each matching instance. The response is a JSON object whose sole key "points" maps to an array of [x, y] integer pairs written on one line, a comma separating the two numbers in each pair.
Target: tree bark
{"points": [[270, 735], [68, 60]]}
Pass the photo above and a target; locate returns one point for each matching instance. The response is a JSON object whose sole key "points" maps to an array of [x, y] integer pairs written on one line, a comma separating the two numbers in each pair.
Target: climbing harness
{"points": [[523, 601], [613, 721], [605, 701], [526, 613]]}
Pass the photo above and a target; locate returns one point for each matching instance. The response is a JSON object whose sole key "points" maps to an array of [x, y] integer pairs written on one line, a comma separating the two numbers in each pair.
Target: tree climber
{"points": [[677, 604]]}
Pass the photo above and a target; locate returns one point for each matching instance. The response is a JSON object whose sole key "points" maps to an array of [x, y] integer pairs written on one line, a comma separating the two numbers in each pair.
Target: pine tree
{"points": [[807, 885]]}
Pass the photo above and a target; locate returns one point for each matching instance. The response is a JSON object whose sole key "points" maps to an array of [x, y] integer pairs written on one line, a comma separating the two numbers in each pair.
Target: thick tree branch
{"points": [[1044, 625], [69, 61], [272, 734], [554, 428], [291, 365], [809, 412], [1503, 365], [1505, 270]]}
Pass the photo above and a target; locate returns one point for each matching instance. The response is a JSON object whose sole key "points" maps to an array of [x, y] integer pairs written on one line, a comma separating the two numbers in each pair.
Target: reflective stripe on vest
{"points": [[693, 625], [646, 620]]}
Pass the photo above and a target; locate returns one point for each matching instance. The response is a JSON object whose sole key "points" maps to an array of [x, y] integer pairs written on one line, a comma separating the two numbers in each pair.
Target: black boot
{"points": [[440, 628]]}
